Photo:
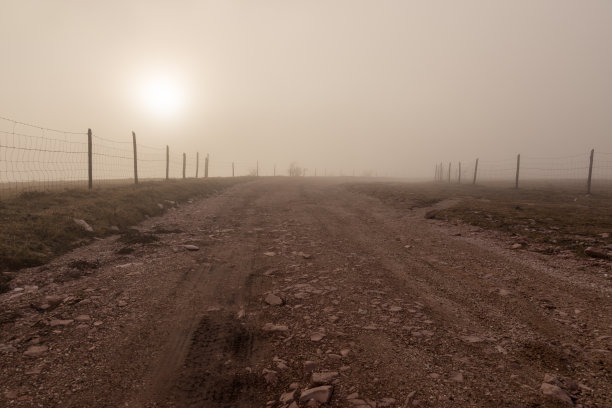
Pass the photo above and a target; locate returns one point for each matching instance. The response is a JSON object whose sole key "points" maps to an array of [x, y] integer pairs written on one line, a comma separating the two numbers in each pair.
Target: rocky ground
{"points": [[284, 293]]}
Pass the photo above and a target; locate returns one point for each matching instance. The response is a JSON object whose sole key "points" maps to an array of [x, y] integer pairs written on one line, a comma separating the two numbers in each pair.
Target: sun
{"points": [[162, 95]]}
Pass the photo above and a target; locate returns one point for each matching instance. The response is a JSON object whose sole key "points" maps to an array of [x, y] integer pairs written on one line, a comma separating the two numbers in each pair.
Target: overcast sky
{"points": [[388, 85]]}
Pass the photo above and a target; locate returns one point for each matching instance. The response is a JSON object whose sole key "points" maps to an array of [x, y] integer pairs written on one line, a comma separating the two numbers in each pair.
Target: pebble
{"points": [[191, 247], [287, 397], [270, 327], [323, 377], [270, 253], [273, 300], [122, 303], [395, 309], [320, 394], [270, 376], [556, 393], [345, 352], [456, 376], [35, 351], [516, 246], [82, 318], [57, 322], [317, 336]]}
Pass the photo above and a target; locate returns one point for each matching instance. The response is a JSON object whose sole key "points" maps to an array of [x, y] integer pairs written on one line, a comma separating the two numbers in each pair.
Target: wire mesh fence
{"points": [[35, 158], [590, 170]]}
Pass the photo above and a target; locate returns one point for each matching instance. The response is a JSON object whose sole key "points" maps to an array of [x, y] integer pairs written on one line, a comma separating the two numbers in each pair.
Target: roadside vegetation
{"points": [[546, 219], [38, 226]]}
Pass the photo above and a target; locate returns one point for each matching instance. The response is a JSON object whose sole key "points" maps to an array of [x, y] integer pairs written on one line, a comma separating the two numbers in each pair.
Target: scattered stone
{"points": [[83, 224], [36, 351], [98, 323], [122, 303], [605, 235], [435, 376], [320, 394], [456, 376], [504, 292], [333, 319], [287, 397], [305, 256], [472, 339], [273, 300], [516, 246], [34, 371], [395, 309], [12, 394], [345, 352], [270, 327], [597, 253], [57, 322], [294, 386], [310, 366], [556, 393], [270, 253], [270, 376], [323, 378], [82, 318], [386, 402], [431, 214], [317, 336], [191, 247], [354, 395], [241, 313]]}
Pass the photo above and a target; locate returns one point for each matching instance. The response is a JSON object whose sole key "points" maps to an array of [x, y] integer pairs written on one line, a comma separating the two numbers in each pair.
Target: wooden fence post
{"points": [[232, 169], [167, 162], [89, 160], [475, 171], [459, 179], [184, 164], [135, 158], [197, 163], [518, 167], [449, 169], [590, 171], [206, 166]]}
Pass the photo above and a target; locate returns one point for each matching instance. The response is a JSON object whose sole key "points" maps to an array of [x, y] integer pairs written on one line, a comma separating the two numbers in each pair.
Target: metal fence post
{"points": [[167, 162], [475, 171]]}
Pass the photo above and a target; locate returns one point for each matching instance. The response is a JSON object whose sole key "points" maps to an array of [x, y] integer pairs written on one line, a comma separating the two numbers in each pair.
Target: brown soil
{"points": [[413, 311]]}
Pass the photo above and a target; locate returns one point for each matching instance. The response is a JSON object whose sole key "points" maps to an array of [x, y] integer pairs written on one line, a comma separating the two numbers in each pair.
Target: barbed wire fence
{"points": [[589, 171]]}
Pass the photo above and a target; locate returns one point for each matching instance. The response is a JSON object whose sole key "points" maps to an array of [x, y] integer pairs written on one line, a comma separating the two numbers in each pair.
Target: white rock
{"points": [[83, 224], [320, 394]]}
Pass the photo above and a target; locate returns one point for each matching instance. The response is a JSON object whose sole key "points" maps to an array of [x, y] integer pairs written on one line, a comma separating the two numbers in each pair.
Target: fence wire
{"points": [[569, 170]]}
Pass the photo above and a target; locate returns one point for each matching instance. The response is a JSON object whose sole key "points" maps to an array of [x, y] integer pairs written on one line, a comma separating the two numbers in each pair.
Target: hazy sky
{"points": [[392, 86]]}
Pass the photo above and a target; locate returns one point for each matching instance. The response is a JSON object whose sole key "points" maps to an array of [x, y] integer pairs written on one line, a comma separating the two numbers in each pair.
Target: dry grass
{"points": [[550, 219], [39, 226]]}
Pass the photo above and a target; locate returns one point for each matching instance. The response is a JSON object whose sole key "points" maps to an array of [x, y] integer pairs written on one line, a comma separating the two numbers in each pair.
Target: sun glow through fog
{"points": [[162, 95]]}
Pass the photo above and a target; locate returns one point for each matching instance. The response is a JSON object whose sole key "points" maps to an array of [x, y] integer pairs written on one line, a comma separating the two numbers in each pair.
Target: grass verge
{"points": [[38, 226], [547, 220]]}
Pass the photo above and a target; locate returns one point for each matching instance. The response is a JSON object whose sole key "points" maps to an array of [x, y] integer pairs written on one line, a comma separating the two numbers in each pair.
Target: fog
{"points": [[390, 87]]}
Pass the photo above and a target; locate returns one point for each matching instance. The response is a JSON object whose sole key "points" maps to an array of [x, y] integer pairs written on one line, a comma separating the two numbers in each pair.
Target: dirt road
{"points": [[386, 307]]}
